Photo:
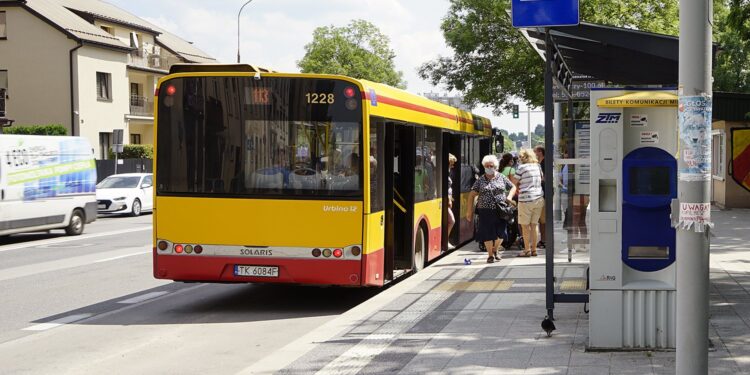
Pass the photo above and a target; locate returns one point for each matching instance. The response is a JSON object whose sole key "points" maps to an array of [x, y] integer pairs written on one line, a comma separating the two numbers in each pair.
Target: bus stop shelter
{"points": [[608, 55]]}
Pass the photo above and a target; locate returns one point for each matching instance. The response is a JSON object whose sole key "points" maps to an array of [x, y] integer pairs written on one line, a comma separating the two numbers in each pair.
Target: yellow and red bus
{"points": [[304, 178]]}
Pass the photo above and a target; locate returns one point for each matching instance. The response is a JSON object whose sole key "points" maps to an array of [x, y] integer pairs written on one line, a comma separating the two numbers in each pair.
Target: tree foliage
{"points": [[357, 50], [508, 144], [492, 62], [539, 130], [732, 33]]}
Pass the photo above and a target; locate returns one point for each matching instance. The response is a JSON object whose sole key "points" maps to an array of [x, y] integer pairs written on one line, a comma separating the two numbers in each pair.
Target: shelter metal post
{"points": [[549, 251]]}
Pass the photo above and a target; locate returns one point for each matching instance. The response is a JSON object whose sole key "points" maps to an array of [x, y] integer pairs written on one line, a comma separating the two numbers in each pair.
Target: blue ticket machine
{"points": [[633, 181]]}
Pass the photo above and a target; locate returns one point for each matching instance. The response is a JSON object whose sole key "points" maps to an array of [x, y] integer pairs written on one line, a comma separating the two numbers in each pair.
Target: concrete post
{"points": [[693, 244]]}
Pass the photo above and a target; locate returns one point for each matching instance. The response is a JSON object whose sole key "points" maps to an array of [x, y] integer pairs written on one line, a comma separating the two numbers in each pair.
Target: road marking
{"points": [[58, 322], [122, 256], [38, 243], [144, 297], [65, 263]]}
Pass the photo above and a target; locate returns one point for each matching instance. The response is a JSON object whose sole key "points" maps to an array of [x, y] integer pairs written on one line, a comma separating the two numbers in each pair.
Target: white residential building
{"points": [[85, 64], [451, 100]]}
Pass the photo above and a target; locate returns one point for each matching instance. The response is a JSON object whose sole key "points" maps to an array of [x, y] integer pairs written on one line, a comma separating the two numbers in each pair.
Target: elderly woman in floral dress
{"points": [[490, 188]]}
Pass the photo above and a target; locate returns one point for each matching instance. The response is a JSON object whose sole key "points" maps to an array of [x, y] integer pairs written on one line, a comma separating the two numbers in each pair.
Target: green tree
{"points": [[508, 144], [492, 62], [539, 130], [357, 50], [732, 33]]}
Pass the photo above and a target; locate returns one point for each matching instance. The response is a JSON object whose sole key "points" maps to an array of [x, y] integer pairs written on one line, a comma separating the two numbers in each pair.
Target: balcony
{"points": [[142, 59], [141, 106]]}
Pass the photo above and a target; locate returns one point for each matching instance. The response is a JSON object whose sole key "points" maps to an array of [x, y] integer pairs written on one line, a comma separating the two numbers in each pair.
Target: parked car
{"points": [[127, 193]]}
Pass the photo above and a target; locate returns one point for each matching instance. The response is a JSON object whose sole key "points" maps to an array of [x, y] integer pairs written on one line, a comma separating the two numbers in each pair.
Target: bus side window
{"points": [[377, 156]]}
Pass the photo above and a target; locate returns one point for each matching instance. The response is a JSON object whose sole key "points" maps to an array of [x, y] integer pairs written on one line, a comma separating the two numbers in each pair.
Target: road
{"points": [[90, 304]]}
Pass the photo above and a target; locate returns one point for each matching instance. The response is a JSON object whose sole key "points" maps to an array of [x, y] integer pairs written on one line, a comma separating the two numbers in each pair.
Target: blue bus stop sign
{"points": [[540, 13]]}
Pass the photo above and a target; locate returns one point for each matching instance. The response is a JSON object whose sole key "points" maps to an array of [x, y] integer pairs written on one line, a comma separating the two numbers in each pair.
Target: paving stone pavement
{"points": [[485, 319]]}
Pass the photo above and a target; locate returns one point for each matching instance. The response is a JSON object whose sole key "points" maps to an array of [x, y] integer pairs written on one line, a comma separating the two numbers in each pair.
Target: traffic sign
{"points": [[541, 13]]}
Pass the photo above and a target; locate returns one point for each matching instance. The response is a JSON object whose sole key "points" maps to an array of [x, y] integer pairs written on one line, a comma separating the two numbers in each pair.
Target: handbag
{"points": [[504, 210]]}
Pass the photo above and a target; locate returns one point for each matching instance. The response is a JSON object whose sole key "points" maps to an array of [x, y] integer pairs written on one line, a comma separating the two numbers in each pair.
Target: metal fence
{"points": [[141, 106], [146, 59], [105, 168]]}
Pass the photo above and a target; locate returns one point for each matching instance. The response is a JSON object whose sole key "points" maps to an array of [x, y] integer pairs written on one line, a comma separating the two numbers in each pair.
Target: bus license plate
{"points": [[256, 271]]}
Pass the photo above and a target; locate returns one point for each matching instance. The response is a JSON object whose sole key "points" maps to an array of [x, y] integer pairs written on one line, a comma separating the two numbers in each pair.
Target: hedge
{"points": [[134, 152], [51, 129]]}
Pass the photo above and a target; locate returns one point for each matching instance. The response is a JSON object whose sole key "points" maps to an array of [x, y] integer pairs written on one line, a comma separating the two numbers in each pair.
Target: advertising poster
{"points": [[740, 170], [694, 121], [43, 168], [583, 151]]}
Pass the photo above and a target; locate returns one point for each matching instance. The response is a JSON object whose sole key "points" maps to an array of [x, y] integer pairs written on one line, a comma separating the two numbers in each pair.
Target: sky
{"points": [[273, 33]]}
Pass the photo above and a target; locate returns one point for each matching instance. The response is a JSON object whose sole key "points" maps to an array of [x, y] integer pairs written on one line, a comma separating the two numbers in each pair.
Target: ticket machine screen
{"points": [[651, 180]]}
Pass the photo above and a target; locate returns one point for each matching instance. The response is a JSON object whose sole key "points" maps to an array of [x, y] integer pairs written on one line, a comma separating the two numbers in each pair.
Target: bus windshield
{"points": [[238, 136]]}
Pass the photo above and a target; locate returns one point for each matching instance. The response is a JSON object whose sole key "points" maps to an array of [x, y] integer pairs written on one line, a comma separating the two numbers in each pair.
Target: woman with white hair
{"points": [[491, 188]]}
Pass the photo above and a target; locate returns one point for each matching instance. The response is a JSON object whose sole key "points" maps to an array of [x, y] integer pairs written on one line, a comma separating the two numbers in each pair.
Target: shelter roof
{"points": [[614, 54]]}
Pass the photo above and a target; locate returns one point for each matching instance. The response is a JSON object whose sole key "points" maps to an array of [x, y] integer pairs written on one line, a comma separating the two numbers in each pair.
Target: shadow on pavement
{"points": [[179, 303]]}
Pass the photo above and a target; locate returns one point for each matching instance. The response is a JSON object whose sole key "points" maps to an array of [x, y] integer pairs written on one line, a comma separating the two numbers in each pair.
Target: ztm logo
{"points": [[608, 118]]}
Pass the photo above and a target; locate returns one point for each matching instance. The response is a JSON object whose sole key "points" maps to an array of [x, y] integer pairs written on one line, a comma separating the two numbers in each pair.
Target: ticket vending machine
{"points": [[633, 181]]}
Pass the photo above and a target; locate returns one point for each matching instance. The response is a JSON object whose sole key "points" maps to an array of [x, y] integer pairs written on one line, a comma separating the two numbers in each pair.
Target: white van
{"points": [[46, 182]]}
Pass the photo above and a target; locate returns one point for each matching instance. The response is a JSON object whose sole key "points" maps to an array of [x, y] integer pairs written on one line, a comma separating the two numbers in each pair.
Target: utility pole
{"points": [[528, 124], [238, 29], [693, 186]]}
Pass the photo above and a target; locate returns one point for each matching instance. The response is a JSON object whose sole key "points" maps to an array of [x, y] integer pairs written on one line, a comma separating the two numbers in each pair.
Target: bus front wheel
{"points": [[76, 224]]}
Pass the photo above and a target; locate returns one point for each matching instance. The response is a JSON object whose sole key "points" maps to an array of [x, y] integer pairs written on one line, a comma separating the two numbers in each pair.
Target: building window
{"points": [[718, 154], [108, 29], [135, 40], [3, 33], [3, 91], [103, 86], [135, 95], [135, 139], [105, 143]]}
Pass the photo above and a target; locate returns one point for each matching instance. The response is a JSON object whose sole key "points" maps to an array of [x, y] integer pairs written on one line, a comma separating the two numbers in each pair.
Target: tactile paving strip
{"points": [[475, 286]]}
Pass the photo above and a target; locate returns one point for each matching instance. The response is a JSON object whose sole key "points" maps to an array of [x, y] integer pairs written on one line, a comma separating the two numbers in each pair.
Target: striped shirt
{"points": [[529, 178]]}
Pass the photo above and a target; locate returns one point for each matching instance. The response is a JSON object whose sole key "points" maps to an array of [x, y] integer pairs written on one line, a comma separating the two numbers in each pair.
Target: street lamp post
{"points": [[238, 29]]}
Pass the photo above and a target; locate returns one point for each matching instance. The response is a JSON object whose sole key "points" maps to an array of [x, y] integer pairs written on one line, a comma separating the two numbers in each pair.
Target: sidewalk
{"points": [[485, 319]]}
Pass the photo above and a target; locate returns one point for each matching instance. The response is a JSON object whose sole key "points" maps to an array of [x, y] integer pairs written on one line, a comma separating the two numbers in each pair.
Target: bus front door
{"points": [[399, 198]]}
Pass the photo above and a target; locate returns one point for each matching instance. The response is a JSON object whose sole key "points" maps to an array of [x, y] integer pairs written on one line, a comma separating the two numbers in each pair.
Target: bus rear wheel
{"points": [[420, 248], [76, 224]]}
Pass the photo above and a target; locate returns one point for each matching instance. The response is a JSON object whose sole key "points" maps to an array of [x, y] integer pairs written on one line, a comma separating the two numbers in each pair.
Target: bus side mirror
{"points": [[500, 144]]}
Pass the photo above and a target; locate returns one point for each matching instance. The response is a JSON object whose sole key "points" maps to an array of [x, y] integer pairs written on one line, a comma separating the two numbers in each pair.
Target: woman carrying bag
{"points": [[494, 192], [528, 179]]}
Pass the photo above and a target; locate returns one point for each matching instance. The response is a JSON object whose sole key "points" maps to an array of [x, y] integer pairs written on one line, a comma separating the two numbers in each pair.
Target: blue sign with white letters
{"points": [[539, 13]]}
